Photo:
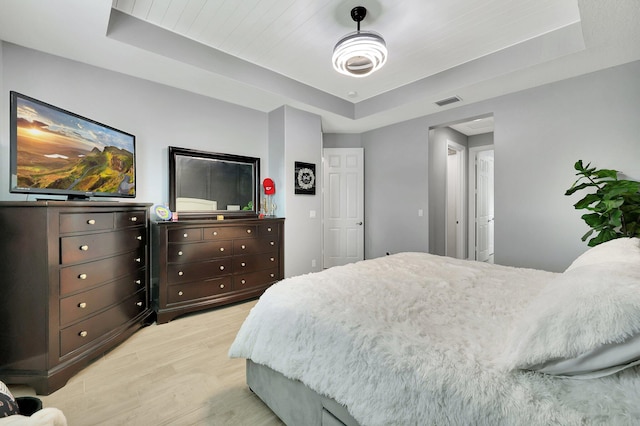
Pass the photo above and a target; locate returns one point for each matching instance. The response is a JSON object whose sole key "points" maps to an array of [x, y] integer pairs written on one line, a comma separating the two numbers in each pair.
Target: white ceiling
{"points": [[266, 53]]}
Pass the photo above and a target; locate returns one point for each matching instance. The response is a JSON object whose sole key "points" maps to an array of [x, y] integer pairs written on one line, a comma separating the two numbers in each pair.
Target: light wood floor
{"points": [[171, 374]]}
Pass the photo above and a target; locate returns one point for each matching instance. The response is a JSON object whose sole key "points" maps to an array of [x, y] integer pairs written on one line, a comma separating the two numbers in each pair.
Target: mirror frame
{"points": [[175, 153]]}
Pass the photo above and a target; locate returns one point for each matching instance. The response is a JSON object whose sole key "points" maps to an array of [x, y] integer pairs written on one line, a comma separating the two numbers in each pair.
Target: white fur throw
{"points": [[48, 416], [616, 250], [581, 310], [414, 339]]}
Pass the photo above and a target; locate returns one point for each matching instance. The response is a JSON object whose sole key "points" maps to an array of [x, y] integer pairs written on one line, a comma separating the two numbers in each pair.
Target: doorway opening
{"points": [[456, 186], [454, 150]]}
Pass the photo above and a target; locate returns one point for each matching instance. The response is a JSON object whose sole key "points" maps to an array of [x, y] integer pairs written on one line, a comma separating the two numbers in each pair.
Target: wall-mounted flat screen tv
{"points": [[58, 152]]}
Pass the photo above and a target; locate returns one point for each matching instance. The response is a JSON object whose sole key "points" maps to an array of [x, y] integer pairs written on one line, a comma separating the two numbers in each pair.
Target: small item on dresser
{"points": [[161, 212], [268, 206], [269, 186]]}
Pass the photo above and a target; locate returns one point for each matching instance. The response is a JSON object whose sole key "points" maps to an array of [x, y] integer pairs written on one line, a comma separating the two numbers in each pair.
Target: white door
{"points": [[484, 206], [343, 205]]}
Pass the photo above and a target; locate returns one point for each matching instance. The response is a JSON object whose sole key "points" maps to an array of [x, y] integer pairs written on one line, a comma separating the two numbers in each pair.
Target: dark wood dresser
{"points": [[74, 282], [199, 264]]}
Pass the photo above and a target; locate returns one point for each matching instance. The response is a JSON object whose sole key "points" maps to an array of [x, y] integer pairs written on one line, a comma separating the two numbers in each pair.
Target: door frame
{"points": [[462, 182], [473, 157], [326, 195]]}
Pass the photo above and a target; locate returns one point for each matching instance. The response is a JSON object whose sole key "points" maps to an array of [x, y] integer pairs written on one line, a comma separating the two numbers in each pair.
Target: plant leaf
{"points": [[615, 219], [603, 236], [613, 204], [575, 187], [606, 173], [594, 219], [587, 201], [587, 235]]}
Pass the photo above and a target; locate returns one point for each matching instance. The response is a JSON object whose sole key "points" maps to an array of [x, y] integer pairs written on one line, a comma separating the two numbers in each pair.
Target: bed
{"points": [[414, 339]]}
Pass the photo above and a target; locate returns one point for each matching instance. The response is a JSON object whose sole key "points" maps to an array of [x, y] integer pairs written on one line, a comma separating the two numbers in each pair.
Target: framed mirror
{"points": [[206, 184]]}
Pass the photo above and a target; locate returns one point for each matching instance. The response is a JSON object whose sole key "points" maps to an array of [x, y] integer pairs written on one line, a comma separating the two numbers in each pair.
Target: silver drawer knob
{"points": [[180, 273], [139, 238], [243, 247], [215, 232], [185, 235], [138, 282], [272, 275], [133, 219], [222, 267], [221, 285], [82, 276], [83, 333], [243, 264], [82, 305], [248, 231], [139, 304], [268, 229], [180, 293], [91, 222], [242, 281], [221, 248], [273, 259], [84, 247], [138, 259], [272, 243], [180, 253]]}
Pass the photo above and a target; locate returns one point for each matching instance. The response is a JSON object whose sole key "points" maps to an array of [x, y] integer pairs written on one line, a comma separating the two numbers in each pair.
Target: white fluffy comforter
{"points": [[415, 339]]}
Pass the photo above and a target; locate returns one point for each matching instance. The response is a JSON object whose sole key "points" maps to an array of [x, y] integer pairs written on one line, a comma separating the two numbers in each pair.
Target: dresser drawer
{"points": [[93, 246], [255, 262], [255, 279], [132, 218], [269, 230], [198, 290], [254, 246], [227, 232], [191, 252], [84, 332], [184, 272], [78, 306], [86, 275], [184, 235], [82, 222]]}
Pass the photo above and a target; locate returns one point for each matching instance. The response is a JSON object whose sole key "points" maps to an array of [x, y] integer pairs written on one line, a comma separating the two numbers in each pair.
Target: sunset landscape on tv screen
{"points": [[58, 150]]}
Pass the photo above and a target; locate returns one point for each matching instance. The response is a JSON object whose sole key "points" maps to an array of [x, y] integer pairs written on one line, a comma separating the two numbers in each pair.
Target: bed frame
{"points": [[293, 402]]}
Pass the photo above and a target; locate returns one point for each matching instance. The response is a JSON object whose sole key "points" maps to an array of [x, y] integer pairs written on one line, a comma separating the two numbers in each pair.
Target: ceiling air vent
{"points": [[448, 101]]}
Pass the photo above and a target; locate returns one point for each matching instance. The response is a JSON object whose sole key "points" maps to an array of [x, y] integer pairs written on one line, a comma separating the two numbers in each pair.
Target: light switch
{"points": [[312, 214], [420, 213]]}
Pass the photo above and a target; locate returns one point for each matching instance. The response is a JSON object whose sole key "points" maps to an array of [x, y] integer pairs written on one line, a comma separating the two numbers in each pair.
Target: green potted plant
{"points": [[614, 205]]}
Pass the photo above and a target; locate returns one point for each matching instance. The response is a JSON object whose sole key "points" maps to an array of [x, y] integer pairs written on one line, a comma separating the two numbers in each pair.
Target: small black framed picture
{"points": [[305, 178]]}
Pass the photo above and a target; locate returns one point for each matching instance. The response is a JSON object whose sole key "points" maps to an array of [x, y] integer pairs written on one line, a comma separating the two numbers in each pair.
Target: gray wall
{"points": [[159, 116], [539, 134], [296, 136], [480, 140], [395, 182], [342, 140]]}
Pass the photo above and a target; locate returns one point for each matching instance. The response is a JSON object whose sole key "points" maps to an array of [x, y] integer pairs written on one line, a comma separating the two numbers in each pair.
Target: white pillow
{"points": [[584, 313], [617, 250]]}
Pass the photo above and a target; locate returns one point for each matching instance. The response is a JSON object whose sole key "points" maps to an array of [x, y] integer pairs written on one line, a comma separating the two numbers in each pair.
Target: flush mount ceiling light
{"points": [[360, 53]]}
